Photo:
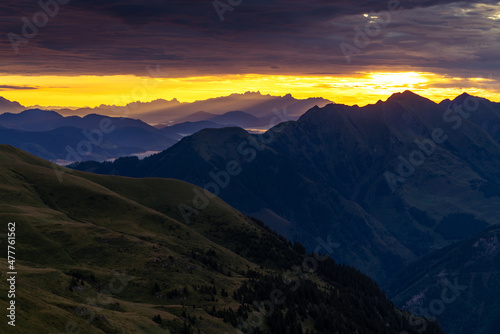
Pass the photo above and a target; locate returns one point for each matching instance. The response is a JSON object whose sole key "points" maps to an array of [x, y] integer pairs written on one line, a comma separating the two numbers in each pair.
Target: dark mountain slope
{"points": [[90, 258], [343, 173], [463, 278]]}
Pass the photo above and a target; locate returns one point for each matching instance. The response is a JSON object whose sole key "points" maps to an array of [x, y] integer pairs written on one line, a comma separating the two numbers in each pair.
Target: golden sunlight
{"points": [[92, 91]]}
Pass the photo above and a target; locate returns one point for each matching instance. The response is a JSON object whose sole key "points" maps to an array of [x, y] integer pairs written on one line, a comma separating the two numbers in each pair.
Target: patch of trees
{"points": [[353, 304]]}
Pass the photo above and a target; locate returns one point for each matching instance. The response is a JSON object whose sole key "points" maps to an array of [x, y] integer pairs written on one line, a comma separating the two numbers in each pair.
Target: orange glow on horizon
{"points": [[359, 88]]}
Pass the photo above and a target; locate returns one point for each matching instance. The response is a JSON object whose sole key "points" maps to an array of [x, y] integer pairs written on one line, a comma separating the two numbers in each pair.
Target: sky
{"points": [[76, 53]]}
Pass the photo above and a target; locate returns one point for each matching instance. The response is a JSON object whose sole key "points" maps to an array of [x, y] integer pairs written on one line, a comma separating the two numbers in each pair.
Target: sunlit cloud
{"points": [[97, 53]]}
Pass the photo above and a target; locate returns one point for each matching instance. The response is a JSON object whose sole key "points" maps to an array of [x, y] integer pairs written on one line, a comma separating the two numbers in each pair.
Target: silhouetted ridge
{"points": [[466, 98], [407, 95], [316, 111]]}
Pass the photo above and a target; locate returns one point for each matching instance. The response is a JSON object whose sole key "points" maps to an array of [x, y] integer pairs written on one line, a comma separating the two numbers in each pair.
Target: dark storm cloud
{"points": [[187, 37], [252, 14]]}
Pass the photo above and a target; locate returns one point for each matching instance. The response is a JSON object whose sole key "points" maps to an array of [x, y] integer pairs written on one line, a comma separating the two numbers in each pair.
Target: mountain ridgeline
{"points": [[163, 111], [384, 183], [52, 136], [402, 186], [109, 254]]}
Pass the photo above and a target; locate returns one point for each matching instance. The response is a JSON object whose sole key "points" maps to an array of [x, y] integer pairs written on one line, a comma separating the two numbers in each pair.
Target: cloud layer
{"points": [[187, 38]]}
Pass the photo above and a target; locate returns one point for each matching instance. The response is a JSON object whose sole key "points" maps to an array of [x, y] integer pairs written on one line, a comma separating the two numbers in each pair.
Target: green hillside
{"points": [[106, 254]]}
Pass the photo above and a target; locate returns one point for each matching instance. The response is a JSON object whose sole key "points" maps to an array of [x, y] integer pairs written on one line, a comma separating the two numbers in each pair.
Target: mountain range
{"points": [[48, 134], [336, 162], [10, 106], [169, 112], [59, 136], [382, 185], [51, 136], [405, 190], [108, 254]]}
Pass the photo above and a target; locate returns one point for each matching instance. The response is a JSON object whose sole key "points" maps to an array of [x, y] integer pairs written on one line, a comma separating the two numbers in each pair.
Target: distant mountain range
{"points": [[234, 118], [51, 135], [169, 112], [196, 117], [105, 254], [44, 120], [327, 174], [180, 130], [10, 106], [48, 134]]}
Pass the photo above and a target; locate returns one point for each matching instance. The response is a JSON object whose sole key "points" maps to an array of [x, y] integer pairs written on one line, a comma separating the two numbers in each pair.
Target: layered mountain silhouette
{"points": [[107, 254], [10, 106], [231, 119], [52, 136], [167, 112], [47, 134], [44, 120], [240, 119], [385, 183], [195, 117]]}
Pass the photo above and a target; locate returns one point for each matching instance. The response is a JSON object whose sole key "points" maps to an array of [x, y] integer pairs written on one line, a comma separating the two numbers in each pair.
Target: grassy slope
{"points": [[60, 228]]}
